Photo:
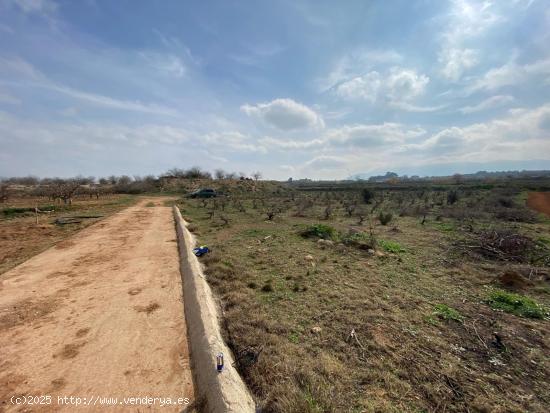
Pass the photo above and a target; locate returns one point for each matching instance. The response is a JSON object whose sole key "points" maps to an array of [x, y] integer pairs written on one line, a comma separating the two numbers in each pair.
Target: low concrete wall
{"points": [[225, 391]]}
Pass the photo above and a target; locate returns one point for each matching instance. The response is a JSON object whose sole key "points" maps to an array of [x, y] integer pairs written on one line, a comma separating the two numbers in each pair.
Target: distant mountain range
{"points": [[474, 176]]}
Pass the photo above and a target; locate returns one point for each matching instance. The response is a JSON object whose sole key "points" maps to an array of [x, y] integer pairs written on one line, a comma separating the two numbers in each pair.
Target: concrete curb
{"points": [[223, 392]]}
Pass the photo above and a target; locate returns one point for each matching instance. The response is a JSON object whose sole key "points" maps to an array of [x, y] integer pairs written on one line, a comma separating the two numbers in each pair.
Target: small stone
{"points": [[316, 330], [308, 257]]}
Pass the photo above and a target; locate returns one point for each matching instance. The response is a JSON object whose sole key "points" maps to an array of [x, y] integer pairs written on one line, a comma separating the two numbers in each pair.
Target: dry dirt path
{"points": [[98, 315]]}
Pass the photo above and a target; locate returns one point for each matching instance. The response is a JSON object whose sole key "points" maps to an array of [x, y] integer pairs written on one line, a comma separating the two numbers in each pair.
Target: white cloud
{"points": [[396, 86], [405, 84], [109, 102], [15, 130], [325, 162], [165, 63], [489, 103], [364, 87], [466, 21], [511, 74], [354, 65], [35, 6], [521, 134], [232, 140], [456, 61], [359, 136], [285, 114], [366, 136], [21, 69]]}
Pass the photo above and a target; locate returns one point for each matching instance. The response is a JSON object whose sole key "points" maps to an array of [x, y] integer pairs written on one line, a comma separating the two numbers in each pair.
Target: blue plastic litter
{"points": [[201, 250]]}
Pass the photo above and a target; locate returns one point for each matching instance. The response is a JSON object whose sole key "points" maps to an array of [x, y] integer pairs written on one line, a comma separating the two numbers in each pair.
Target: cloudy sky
{"points": [[320, 89]]}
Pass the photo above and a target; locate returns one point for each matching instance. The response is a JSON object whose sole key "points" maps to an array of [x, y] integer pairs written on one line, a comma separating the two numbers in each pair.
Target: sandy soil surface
{"points": [[539, 201], [100, 315]]}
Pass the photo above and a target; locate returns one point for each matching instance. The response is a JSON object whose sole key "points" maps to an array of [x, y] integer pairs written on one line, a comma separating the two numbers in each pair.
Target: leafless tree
{"points": [[64, 189], [219, 174], [349, 209], [328, 211], [257, 175]]}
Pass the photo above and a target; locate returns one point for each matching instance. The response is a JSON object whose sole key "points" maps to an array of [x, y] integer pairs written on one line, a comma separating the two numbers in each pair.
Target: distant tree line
{"points": [[64, 189]]}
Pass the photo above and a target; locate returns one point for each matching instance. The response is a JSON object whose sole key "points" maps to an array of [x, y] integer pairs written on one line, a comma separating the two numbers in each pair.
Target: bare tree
{"points": [[349, 209], [64, 189], [219, 174], [328, 211], [257, 175]]}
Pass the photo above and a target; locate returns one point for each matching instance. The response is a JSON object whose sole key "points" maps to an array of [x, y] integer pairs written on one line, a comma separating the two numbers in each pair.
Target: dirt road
{"points": [[539, 201], [99, 315]]}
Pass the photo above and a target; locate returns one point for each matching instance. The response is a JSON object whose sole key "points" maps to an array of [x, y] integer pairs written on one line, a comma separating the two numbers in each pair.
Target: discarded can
{"points": [[200, 251], [219, 362]]}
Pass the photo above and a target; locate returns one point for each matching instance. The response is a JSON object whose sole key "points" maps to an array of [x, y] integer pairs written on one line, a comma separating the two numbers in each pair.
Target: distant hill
{"points": [[392, 176]]}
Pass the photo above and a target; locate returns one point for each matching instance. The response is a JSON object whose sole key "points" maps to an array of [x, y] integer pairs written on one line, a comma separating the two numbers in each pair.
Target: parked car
{"points": [[203, 193]]}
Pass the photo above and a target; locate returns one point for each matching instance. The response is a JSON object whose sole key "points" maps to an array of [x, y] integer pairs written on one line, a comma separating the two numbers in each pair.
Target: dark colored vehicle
{"points": [[203, 193]]}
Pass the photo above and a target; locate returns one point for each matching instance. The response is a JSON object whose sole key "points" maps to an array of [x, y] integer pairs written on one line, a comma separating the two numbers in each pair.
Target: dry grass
{"points": [[290, 305]]}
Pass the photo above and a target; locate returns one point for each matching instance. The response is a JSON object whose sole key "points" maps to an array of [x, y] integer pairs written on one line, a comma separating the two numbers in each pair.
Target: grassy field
{"points": [[21, 237], [444, 308]]}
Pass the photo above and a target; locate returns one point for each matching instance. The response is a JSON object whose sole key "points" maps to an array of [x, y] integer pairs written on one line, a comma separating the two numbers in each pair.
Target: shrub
{"points": [[447, 313], [452, 197], [320, 231], [391, 246], [516, 304], [385, 218], [367, 195], [268, 287], [505, 202], [515, 215], [360, 240]]}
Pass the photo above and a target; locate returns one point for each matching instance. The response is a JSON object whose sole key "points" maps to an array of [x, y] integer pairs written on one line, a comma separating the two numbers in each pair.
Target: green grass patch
{"points": [[255, 232], [15, 211], [320, 231], [391, 246], [445, 312], [444, 226], [544, 241], [516, 304]]}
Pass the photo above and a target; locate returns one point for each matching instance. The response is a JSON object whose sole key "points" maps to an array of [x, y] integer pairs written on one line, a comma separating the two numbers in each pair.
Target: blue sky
{"points": [[319, 89]]}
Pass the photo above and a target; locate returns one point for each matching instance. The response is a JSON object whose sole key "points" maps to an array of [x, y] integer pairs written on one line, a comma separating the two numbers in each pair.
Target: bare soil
{"points": [[21, 237], [539, 201], [99, 314]]}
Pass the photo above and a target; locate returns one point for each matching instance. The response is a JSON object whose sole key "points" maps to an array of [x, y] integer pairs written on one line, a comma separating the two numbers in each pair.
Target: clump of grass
{"points": [[445, 312], [320, 231], [516, 304], [391, 246], [445, 226], [150, 204], [360, 240], [385, 217], [267, 287]]}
